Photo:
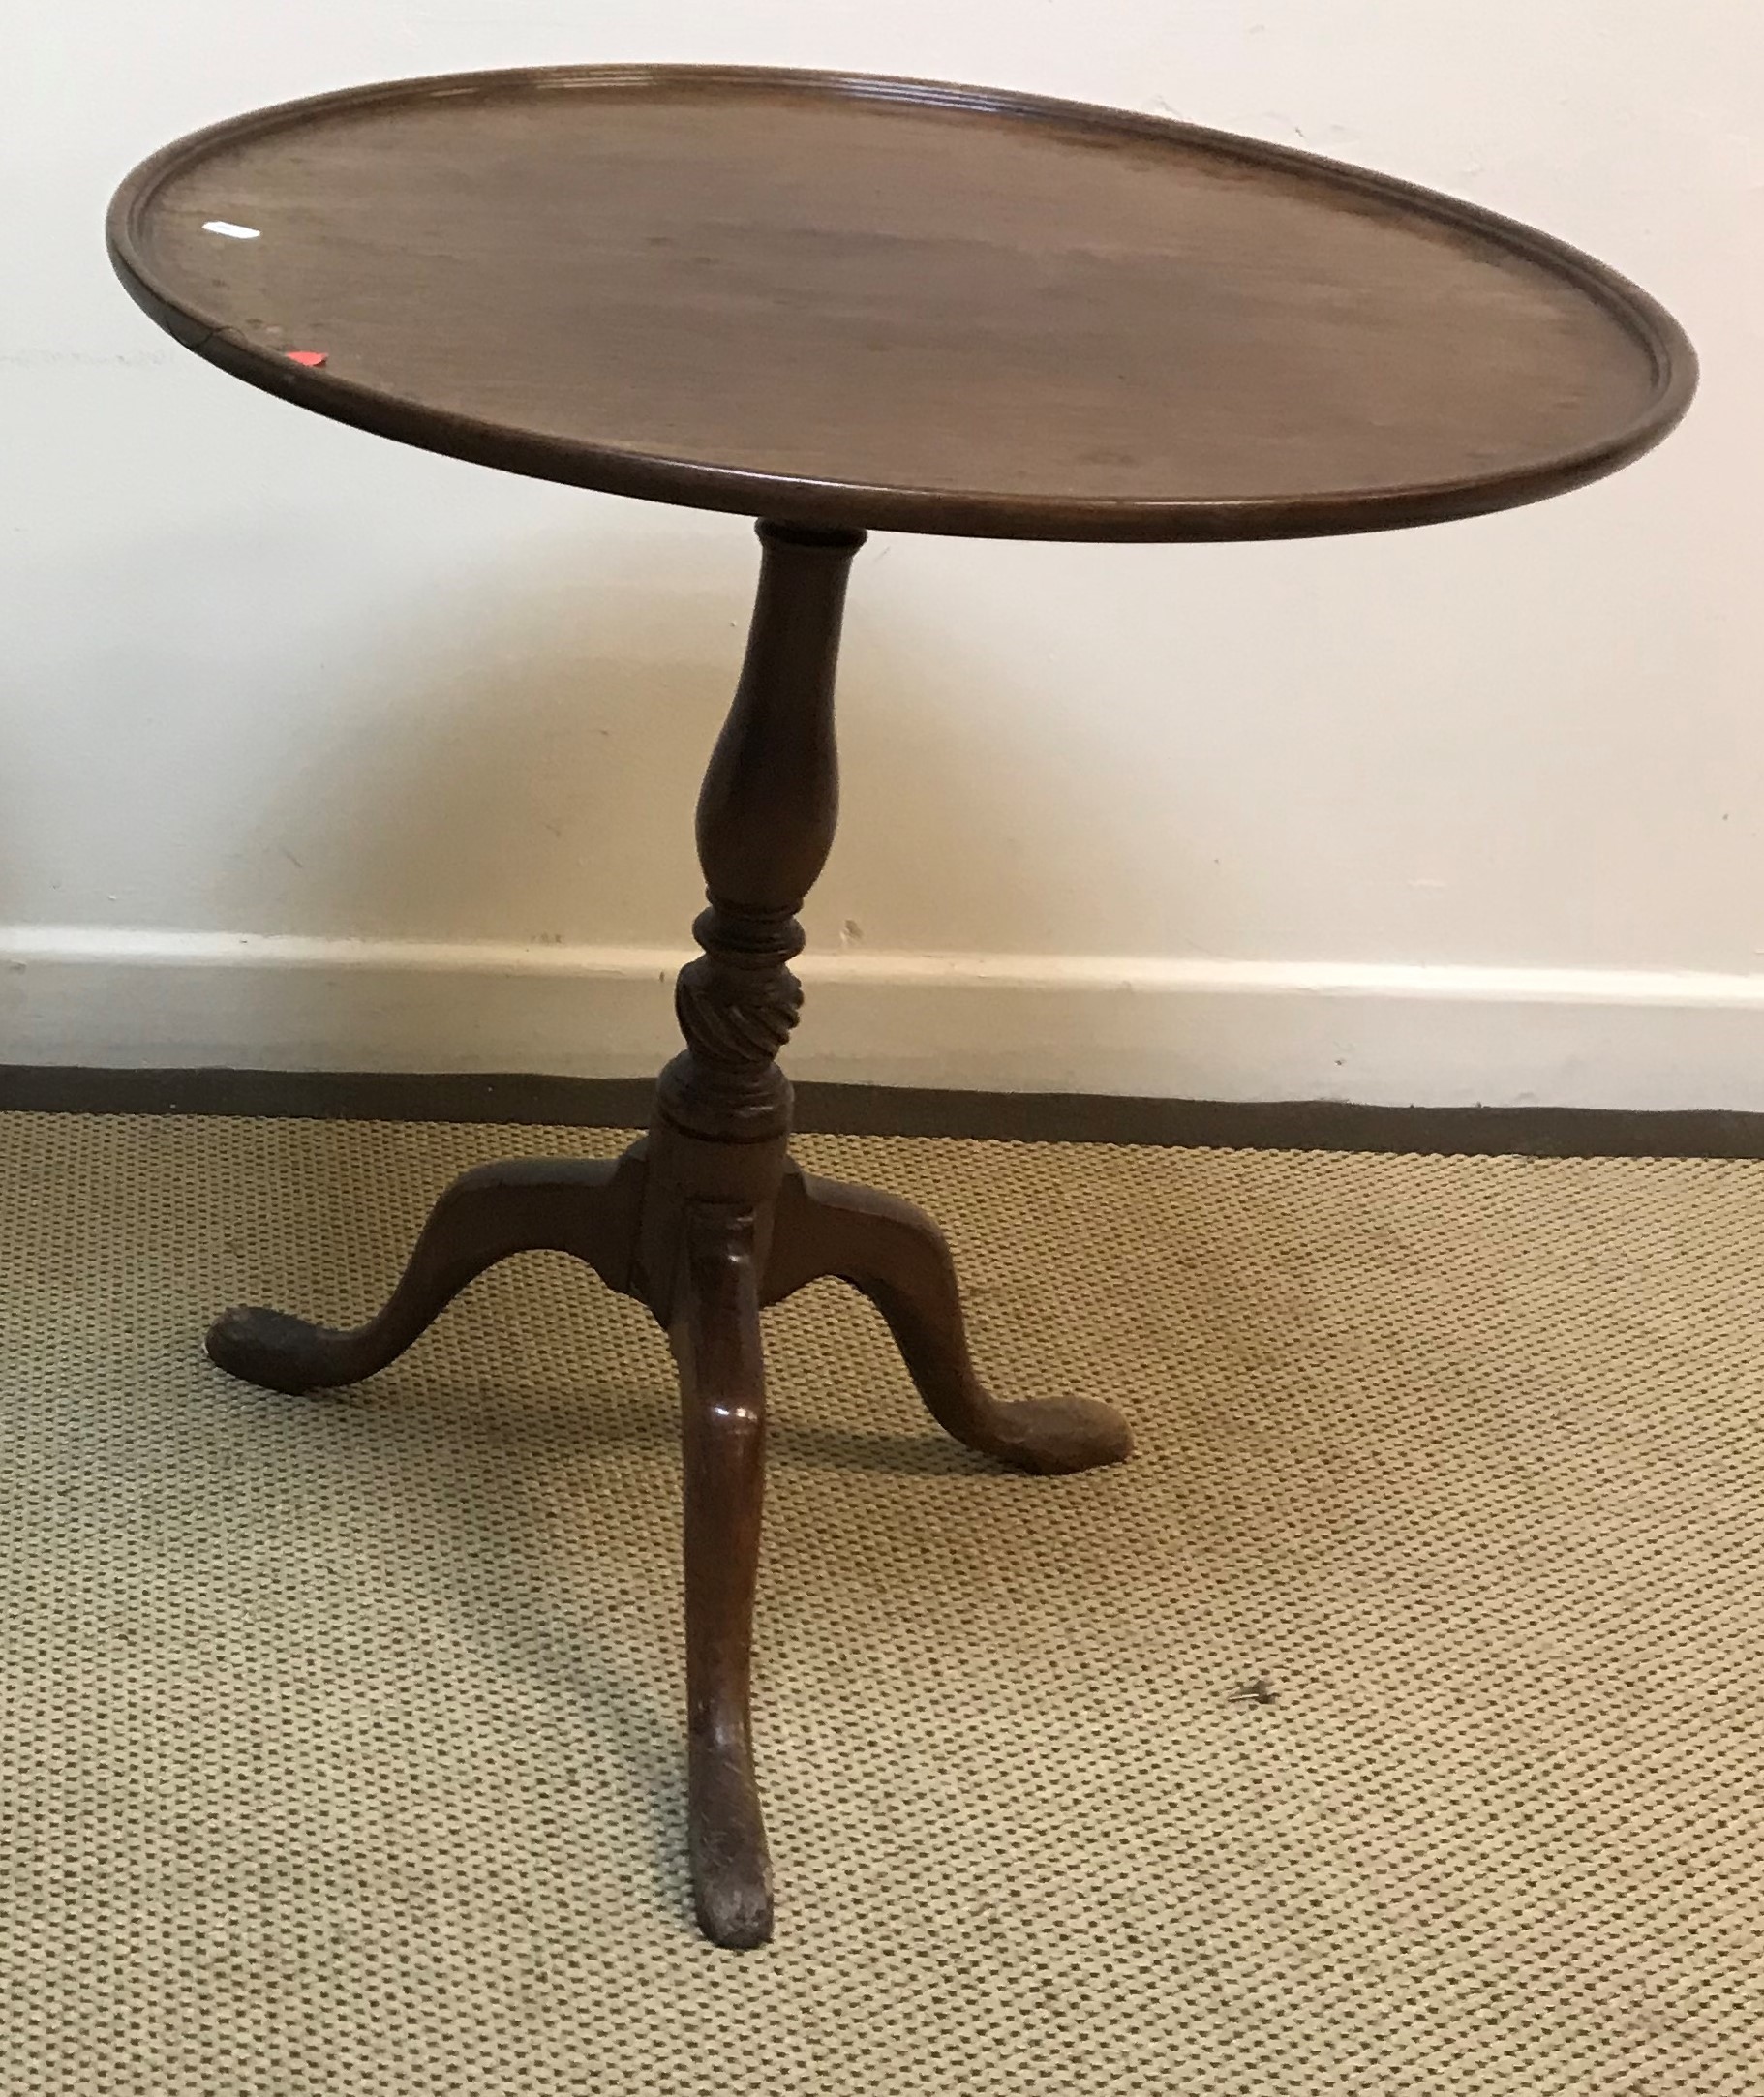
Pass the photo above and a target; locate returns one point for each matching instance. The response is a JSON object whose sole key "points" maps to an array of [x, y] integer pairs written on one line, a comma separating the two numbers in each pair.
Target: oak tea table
{"points": [[833, 304]]}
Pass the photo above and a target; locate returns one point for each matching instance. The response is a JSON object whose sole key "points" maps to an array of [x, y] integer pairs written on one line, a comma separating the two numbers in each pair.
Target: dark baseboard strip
{"points": [[1040, 1117], [582, 1103]]}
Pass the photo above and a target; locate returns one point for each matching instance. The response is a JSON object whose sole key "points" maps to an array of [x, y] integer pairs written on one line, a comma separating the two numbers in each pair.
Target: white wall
{"points": [[313, 750]]}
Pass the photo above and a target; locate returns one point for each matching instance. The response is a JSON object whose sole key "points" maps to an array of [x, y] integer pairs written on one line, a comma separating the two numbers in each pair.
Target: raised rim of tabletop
{"points": [[849, 505]]}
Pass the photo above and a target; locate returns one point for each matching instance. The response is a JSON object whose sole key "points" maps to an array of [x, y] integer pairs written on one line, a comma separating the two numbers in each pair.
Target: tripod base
{"points": [[691, 1229]]}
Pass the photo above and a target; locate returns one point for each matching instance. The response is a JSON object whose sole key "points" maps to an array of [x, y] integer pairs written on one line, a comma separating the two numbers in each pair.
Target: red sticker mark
{"points": [[311, 358]]}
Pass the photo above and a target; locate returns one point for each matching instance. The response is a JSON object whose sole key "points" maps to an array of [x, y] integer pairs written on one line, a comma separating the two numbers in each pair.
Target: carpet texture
{"points": [[1394, 1722]]}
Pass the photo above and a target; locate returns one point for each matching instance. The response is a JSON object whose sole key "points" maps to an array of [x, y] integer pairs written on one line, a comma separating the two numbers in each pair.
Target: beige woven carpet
{"points": [[1390, 1724]]}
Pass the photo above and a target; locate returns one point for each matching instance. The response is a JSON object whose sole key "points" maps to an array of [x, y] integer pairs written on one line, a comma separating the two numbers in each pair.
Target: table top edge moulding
{"points": [[831, 500]]}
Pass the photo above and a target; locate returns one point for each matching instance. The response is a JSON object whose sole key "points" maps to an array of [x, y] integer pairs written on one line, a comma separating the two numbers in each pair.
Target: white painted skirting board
{"points": [[1203, 1029]]}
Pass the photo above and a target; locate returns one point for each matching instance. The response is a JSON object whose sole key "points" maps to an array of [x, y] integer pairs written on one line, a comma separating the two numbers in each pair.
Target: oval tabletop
{"points": [[863, 302]]}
